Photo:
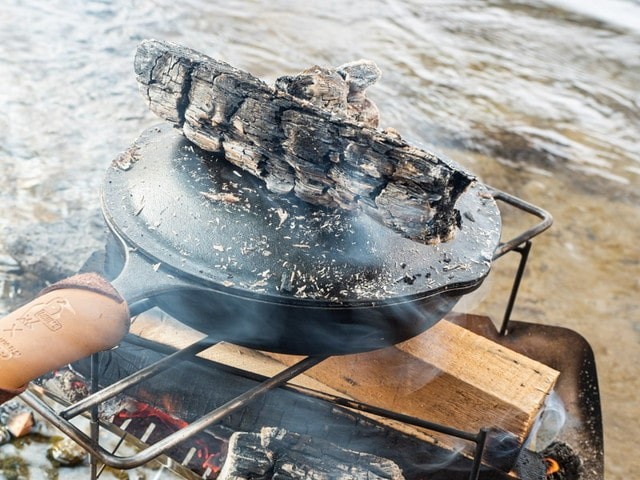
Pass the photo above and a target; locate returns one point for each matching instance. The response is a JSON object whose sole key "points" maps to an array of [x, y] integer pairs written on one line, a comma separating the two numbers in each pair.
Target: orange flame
{"points": [[210, 461], [144, 410], [552, 466]]}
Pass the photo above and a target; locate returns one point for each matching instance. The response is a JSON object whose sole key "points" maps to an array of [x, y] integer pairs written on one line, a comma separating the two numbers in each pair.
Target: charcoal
{"points": [[568, 463]]}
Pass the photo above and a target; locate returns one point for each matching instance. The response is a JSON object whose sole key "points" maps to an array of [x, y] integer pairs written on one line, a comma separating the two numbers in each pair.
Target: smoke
{"points": [[550, 422], [470, 302], [502, 449], [446, 459]]}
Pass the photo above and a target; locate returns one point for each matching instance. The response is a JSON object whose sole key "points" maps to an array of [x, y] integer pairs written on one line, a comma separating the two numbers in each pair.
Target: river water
{"points": [[540, 99]]}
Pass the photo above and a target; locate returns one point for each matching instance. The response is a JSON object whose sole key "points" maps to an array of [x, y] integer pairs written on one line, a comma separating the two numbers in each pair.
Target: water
{"points": [[541, 99]]}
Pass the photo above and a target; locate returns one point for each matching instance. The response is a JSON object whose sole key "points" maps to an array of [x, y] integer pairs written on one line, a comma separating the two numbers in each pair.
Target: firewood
{"points": [[322, 147], [209, 387], [448, 375], [283, 454]]}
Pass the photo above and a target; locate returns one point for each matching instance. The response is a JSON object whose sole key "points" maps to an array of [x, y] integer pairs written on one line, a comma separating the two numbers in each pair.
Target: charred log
{"points": [[313, 135], [276, 453]]}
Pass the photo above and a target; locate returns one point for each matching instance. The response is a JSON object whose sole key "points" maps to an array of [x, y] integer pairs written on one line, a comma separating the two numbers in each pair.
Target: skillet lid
{"points": [[208, 221]]}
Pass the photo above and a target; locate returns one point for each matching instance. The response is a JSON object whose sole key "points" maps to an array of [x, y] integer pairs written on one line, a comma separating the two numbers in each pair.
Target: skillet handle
{"points": [[68, 321], [543, 215]]}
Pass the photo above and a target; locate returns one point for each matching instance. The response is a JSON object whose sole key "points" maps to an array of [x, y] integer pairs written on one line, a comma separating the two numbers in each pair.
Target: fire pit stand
{"points": [[61, 419]]}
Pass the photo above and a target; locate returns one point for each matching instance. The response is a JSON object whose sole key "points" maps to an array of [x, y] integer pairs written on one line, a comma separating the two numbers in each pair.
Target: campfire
{"points": [[162, 406], [306, 266]]}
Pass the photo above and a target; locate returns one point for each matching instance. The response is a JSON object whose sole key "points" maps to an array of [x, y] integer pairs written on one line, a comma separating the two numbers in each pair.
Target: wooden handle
{"points": [[55, 329]]}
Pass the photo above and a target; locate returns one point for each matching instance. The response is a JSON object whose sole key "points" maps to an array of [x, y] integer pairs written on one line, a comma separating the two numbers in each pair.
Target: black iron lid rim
{"points": [[167, 162], [169, 277]]}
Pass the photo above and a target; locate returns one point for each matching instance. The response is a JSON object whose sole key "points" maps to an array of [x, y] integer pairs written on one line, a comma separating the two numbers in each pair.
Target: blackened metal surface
{"points": [[218, 252], [199, 215], [278, 327]]}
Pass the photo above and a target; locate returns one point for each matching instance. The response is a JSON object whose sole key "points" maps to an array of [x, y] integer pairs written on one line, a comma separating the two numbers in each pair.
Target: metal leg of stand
{"points": [[151, 452], [481, 440], [94, 425], [524, 255]]}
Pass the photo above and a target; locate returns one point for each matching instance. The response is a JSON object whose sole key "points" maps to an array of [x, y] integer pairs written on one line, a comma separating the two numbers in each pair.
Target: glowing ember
{"points": [[144, 410], [552, 466], [212, 463], [204, 455]]}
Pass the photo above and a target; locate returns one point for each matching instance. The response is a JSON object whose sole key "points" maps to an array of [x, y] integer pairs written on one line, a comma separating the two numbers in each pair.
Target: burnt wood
{"points": [[326, 156], [277, 453]]}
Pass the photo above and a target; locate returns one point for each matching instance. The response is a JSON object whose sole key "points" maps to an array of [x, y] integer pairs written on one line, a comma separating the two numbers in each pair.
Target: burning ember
{"points": [[143, 410], [203, 454], [552, 466], [562, 462]]}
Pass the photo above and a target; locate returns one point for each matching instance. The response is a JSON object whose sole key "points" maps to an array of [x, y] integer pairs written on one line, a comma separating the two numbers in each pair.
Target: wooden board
{"points": [[447, 375]]}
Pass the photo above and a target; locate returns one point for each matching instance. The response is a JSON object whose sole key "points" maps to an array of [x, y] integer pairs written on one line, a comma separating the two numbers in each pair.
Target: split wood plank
{"points": [[447, 375]]}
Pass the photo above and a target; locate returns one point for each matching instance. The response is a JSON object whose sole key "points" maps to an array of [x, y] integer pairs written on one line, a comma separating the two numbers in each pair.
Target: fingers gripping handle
{"points": [[68, 321]]}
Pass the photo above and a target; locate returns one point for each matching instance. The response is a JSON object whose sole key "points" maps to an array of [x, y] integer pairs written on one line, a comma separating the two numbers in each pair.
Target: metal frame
{"points": [[520, 244], [99, 454]]}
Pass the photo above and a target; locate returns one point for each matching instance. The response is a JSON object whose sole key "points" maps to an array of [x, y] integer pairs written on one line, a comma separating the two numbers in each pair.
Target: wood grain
{"points": [[447, 375]]}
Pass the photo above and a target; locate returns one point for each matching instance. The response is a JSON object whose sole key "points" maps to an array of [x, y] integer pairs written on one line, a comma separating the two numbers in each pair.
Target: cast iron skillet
{"points": [[213, 248]]}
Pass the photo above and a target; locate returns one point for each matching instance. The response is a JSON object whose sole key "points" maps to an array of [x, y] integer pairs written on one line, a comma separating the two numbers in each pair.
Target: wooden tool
{"points": [[68, 321]]}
